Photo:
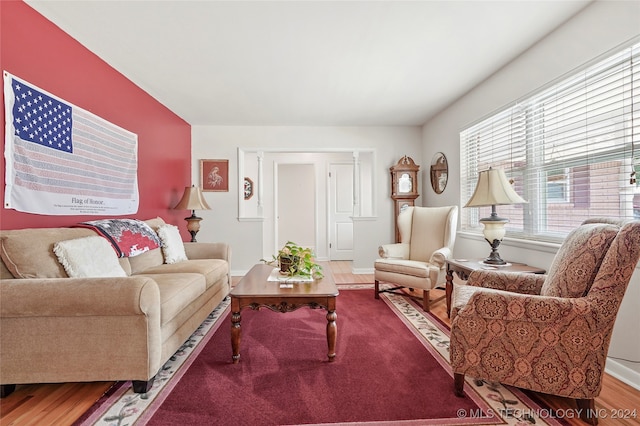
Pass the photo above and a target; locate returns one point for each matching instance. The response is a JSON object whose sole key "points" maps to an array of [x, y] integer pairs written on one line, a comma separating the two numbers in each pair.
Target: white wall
{"points": [[246, 236], [601, 27]]}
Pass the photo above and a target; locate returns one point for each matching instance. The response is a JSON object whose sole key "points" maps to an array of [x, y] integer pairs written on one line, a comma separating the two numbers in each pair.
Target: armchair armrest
{"points": [[394, 251], [208, 251], [440, 256], [516, 282], [544, 310]]}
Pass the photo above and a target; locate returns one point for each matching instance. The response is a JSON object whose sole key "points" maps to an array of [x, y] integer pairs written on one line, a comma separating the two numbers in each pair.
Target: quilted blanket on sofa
{"points": [[129, 237]]}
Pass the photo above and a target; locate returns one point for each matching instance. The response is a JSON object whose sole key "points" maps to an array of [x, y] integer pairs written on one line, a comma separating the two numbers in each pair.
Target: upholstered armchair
{"points": [[547, 333], [427, 235]]}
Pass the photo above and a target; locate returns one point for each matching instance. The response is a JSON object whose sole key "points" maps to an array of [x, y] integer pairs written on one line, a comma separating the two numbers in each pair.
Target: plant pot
{"points": [[286, 264]]}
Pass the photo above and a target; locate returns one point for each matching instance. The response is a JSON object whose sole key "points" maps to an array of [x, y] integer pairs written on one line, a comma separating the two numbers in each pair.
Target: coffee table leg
{"points": [[235, 336], [332, 331]]}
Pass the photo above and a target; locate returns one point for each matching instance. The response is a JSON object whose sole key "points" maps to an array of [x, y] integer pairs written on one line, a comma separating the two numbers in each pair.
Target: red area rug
{"points": [[391, 367]]}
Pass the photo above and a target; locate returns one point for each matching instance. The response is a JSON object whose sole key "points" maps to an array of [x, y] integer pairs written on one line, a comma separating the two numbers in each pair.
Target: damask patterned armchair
{"points": [[547, 333]]}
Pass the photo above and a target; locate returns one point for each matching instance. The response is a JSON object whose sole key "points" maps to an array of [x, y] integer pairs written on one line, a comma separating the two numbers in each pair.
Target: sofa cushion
{"points": [[577, 262], [177, 291], [88, 257], [172, 245], [155, 223], [212, 269], [28, 253], [146, 260]]}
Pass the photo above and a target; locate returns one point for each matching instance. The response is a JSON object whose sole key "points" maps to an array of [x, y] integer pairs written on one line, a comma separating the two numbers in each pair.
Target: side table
{"points": [[464, 267]]}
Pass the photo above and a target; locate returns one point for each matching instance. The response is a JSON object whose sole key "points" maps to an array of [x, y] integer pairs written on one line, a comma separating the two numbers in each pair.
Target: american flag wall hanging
{"points": [[63, 160]]}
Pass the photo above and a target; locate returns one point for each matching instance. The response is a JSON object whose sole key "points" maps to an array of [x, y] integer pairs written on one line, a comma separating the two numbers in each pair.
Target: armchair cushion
{"points": [[404, 267], [577, 262]]}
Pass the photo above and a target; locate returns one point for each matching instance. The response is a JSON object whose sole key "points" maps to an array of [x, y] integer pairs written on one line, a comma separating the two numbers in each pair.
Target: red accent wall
{"points": [[36, 50]]}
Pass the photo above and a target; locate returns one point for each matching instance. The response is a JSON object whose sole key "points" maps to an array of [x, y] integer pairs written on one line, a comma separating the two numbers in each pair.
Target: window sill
{"points": [[541, 246], [516, 242]]}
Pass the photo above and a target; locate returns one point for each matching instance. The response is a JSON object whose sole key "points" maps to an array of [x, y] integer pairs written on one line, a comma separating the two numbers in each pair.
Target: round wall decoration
{"points": [[248, 188], [439, 172]]}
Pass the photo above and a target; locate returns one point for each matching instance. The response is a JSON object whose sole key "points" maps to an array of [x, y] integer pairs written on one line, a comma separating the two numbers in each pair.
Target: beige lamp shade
{"points": [[493, 189], [192, 199]]}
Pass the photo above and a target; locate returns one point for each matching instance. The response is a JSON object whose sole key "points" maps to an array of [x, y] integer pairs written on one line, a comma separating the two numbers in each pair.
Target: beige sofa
{"points": [[56, 329]]}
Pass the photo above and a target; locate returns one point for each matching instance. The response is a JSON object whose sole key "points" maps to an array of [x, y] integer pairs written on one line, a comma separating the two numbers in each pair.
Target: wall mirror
{"points": [[439, 172]]}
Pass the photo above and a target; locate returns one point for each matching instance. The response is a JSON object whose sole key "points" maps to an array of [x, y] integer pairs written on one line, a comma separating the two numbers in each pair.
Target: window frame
{"points": [[543, 132]]}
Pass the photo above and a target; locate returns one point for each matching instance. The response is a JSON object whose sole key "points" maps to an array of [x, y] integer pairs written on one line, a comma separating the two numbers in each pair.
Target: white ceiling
{"points": [[370, 63]]}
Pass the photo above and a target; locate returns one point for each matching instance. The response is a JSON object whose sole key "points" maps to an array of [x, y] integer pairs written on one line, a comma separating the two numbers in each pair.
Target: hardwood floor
{"points": [[62, 404]]}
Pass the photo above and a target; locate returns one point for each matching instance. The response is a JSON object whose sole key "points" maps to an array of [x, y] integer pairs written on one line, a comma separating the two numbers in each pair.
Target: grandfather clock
{"points": [[404, 187]]}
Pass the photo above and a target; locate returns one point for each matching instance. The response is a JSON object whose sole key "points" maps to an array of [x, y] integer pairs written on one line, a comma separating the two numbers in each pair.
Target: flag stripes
{"points": [[73, 157]]}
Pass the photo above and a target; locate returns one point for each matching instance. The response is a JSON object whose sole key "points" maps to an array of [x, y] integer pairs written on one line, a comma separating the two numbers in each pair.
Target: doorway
{"points": [[296, 205]]}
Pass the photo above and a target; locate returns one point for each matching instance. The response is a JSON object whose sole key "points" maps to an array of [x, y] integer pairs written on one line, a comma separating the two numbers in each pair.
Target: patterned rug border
{"points": [[498, 404], [511, 405]]}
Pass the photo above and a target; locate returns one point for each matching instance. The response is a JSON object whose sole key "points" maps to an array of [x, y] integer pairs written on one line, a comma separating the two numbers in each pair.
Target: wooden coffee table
{"points": [[255, 291]]}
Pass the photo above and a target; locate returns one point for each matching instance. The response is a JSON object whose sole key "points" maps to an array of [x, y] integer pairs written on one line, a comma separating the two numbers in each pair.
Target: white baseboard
{"points": [[623, 373], [359, 271], [240, 273]]}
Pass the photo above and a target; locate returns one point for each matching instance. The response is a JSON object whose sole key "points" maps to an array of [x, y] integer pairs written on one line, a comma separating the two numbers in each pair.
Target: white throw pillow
{"points": [[88, 257], [172, 245]]}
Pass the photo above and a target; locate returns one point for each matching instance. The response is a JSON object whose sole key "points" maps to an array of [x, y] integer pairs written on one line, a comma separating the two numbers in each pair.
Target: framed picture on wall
{"points": [[214, 175]]}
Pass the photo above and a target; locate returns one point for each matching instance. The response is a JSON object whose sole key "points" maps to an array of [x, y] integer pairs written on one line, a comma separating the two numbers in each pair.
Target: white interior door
{"points": [[341, 211]]}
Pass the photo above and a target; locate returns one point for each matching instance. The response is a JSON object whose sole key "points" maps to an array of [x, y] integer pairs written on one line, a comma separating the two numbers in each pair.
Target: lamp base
{"points": [[493, 233], [193, 225], [494, 258]]}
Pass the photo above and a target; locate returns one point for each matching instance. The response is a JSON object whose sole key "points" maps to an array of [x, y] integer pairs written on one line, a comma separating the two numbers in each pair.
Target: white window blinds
{"points": [[570, 151]]}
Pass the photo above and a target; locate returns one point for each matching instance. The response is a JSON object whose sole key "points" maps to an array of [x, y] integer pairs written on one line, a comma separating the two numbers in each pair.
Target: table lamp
{"points": [[193, 200], [493, 188]]}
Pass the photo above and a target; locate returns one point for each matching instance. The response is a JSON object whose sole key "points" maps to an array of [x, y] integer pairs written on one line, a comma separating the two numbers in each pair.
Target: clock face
{"points": [[405, 184]]}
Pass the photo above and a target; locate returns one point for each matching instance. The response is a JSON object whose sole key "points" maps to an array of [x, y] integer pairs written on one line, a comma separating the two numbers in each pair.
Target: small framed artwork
{"points": [[248, 188], [214, 175]]}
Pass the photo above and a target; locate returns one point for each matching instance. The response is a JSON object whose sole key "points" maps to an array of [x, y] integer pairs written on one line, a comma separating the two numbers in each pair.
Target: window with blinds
{"points": [[570, 150]]}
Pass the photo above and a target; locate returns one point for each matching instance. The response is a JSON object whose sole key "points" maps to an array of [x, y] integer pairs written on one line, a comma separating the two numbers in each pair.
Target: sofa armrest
{"points": [[394, 251], [208, 251], [79, 329], [47, 297]]}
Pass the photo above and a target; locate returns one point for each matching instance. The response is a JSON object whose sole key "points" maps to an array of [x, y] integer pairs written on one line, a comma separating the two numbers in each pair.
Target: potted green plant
{"points": [[296, 260]]}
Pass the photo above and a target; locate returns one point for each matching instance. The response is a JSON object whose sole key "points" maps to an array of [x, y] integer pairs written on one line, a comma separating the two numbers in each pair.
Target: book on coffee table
{"points": [[287, 280]]}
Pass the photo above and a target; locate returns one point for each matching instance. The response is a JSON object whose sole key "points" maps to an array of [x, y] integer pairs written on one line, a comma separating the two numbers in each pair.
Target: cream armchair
{"points": [[427, 236], [548, 333]]}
